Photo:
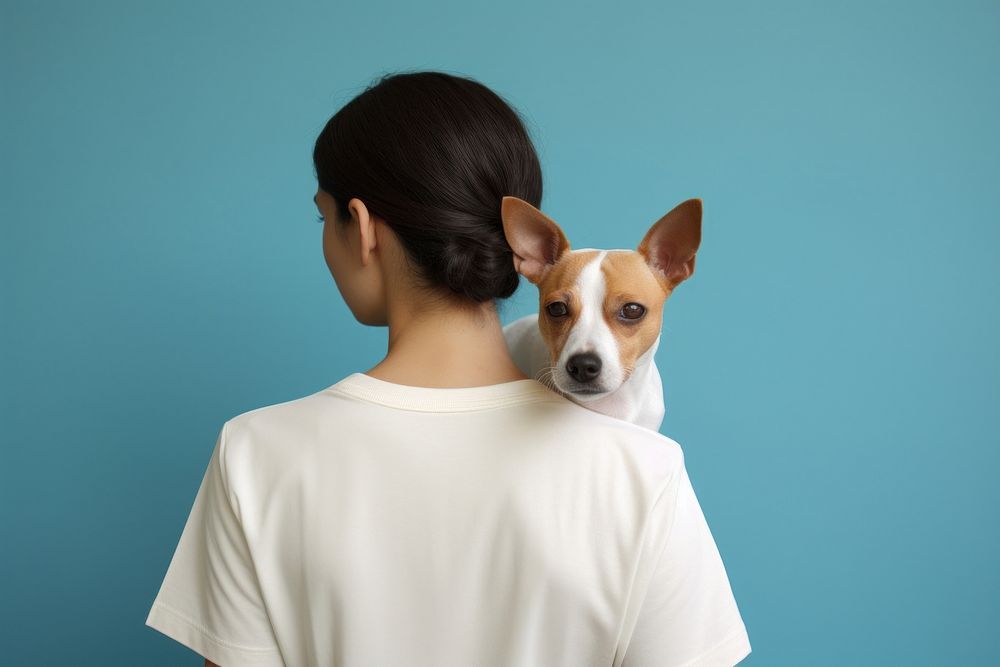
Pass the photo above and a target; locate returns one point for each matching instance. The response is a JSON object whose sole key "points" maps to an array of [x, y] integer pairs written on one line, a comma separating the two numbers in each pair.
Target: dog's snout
{"points": [[584, 367]]}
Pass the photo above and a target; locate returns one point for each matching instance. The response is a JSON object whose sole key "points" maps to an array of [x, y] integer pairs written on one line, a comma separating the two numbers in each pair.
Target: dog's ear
{"points": [[670, 245], [537, 241]]}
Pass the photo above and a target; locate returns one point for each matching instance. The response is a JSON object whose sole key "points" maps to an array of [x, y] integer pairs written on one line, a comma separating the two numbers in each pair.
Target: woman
{"points": [[441, 508]]}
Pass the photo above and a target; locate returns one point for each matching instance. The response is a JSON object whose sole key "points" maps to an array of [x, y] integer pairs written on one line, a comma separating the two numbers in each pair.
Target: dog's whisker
{"points": [[544, 376]]}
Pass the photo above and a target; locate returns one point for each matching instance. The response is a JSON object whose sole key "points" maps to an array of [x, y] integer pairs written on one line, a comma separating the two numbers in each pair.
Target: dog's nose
{"points": [[584, 366]]}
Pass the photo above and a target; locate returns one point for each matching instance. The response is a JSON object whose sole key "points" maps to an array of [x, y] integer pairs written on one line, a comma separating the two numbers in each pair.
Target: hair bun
{"points": [[479, 271]]}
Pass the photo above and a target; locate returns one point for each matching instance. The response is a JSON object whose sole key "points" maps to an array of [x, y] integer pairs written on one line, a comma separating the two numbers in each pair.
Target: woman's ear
{"points": [[366, 228]]}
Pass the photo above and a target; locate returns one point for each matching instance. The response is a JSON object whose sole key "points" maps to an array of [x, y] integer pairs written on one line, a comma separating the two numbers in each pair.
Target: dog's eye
{"points": [[556, 309], [632, 311]]}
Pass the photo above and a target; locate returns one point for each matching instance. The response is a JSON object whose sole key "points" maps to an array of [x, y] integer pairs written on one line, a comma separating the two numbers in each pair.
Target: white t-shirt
{"points": [[380, 524]]}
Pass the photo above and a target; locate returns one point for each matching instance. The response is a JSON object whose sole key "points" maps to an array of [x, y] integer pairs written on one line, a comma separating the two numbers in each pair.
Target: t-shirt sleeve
{"points": [[688, 615], [210, 599]]}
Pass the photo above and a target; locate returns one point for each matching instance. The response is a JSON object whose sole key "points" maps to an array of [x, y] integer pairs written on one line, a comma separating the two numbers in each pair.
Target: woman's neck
{"points": [[446, 346]]}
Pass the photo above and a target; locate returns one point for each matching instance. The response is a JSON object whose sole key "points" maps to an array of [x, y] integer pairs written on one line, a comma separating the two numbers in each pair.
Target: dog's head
{"points": [[600, 311]]}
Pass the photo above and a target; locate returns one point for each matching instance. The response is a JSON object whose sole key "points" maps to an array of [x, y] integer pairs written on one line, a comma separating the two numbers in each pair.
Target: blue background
{"points": [[831, 370]]}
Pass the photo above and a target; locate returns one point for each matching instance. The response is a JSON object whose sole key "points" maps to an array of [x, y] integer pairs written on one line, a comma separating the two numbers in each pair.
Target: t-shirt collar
{"points": [[442, 399]]}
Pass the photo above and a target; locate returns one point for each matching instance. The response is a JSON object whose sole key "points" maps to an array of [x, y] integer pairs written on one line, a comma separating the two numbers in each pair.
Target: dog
{"points": [[599, 320]]}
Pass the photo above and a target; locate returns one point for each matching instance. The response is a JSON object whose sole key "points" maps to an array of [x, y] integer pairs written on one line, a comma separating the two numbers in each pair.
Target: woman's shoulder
{"points": [[656, 452], [283, 422]]}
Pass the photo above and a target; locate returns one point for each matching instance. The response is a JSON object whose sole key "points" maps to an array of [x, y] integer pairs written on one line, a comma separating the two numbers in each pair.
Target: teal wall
{"points": [[831, 369]]}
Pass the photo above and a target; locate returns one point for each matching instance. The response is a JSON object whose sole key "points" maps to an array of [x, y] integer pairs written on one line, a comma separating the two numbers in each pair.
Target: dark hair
{"points": [[433, 154]]}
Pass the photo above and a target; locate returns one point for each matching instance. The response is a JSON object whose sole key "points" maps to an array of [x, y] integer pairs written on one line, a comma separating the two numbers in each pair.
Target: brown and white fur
{"points": [[599, 320]]}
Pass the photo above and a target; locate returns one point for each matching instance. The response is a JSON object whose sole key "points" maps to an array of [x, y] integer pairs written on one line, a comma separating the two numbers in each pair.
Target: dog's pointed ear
{"points": [[670, 245], [537, 241]]}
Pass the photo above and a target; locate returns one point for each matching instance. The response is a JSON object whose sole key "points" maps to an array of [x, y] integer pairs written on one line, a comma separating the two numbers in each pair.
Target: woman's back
{"points": [[375, 523], [441, 508]]}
